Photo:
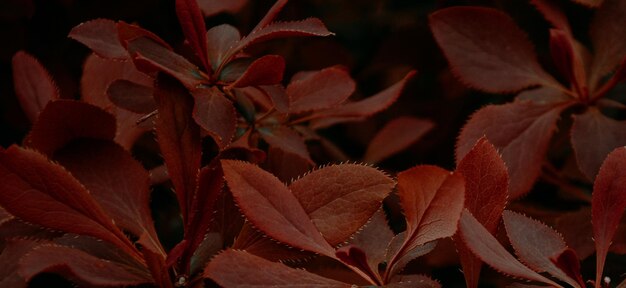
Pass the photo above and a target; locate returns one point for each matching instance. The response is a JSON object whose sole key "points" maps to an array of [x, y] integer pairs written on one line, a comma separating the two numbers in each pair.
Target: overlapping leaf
{"points": [[192, 23], [33, 84], [323, 89], [607, 29], [215, 114], [397, 135], [101, 36]]}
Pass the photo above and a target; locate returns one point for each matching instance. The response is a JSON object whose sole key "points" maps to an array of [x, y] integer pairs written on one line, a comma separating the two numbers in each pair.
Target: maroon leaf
{"points": [[593, 137], [553, 13], [359, 110], [487, 50], [267, 70], [374, 239], [212, 7], [255, 242], [286, 165], [128, 32], [400, 263], [219, 39], [179, 139], [522, 134], [607, 27], [569, 263], [131, 96], [101, 36], [413, 281], [608, 204], [253, 271], [215, 114], [354, 256], [340, 199], [577, 231], [535, 244], [271, 207], [44, 193], [286, 139], [33, 84], [486, 193], [397, 135], [14, 250], [488, 249], [324, 89], [65, 120], [192, 22]]}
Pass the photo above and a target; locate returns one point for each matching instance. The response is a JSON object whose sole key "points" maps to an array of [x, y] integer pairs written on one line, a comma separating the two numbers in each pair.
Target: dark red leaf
{"points": [[521, 131], [191, 20], [553, 13], [233, 268], [320, 90], [219, 39], [14, 250], [397, 135], [400, 263], [215, 114], [131, 96], [65, 120], [535, 244], [413, 281], [569, 263], [340, 199], [577, 231], [285, 165], [590, 3], [101, 36], [487, 248], [272, 208], [486, 193], [608, 204], [593, 137], [374, 239], [487, 50], [212, 7], [286, 139], [179, 139], [128, 32], [609, 47], [34, 86], [267, 70], [356, 257]]}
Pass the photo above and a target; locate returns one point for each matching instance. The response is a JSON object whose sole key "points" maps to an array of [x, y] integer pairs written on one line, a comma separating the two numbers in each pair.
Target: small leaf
{"points": [[233, 268], [272, 208], [267, 70], [33, 84], [101, 36], [487, 50], [594, 136], [219, 39], [397, 135], [286, 139], [323, 89], [608, 204], [215, 114], [535, 244], [521, 131], [340, 199], [131, 96], [488, 249], [192, 22]]}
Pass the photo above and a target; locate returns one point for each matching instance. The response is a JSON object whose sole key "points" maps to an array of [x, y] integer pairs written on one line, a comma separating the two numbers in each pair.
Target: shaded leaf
{"points": [[192, 22], [14, 250], [215, 114], [131, 96], [267, 70], [101, 36], [286, 139], [594, 136], [212, 7], [272, 208], [374, 239], [397, 135], [607, 30], [569, 263], [219, 39], [487, 50], [394, 247], [320, 90], [254, 271], [577, 231], [286, 165], [33, 84], [413, 281]]}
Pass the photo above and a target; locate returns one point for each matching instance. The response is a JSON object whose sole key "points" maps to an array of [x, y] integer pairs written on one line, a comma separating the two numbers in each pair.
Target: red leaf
{"points": [[286, 139], [219, 39], [212, 7], [233, 268], [488, 249], [521, 131], [354, 256], [594, 136], [100, 165], [14, 250], [577, 231], [33, 84], [323, 89], [267, 70], [286, 165], [271, 207], [150, 56], [413, 281], [255, 242], [487, 50], [607, 29], [128, 32], [397, 135], [194, 29], [569, 263], [65, 120], [101, 36], [486, 193], [340, 199], [608, 204], [215, 114], [374, 239], [44, 193], [359, 110], [131, 96], [535, 244], [179, 139], [400, 263]]}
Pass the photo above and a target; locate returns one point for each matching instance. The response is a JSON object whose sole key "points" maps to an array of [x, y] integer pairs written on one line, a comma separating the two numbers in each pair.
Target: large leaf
{"points": [[608, 204], [101, 36], [44, 193], [486, 193], [593, 137], [33, 84], [267, 70], [535, 244], [608, 28], [487, 50], [323, 89], [179, 139], [192, 22], [233, 268], [521, 131], [340, 199], [397, 135], [215, 114], [487, 248], [271, 207]]}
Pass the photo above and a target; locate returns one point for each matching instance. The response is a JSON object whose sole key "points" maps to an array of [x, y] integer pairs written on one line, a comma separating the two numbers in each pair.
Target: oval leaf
{"points": [[215, 114], [33, 84], [326, 88], [101, 36]]}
